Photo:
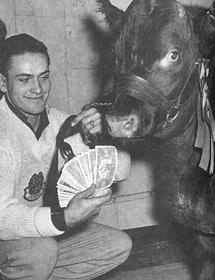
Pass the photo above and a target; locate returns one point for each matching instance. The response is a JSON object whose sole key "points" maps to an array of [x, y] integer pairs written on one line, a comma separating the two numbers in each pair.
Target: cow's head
{"points": [[158, 44]]}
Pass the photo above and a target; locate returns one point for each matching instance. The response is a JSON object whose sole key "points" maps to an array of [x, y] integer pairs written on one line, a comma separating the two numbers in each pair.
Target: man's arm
{"points": [[18, 220]]}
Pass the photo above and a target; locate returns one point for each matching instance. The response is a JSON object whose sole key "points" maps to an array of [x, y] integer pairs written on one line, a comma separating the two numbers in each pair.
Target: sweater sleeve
{"points": [[16, 219]]}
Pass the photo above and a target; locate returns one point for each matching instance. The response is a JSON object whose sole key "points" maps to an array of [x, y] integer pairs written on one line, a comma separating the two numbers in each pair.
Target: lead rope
{"points": [[206, 125]]}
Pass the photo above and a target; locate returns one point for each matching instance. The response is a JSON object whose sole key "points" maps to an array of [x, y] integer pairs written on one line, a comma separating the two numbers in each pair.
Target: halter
{"points": [[143, 90], [139, 88]]}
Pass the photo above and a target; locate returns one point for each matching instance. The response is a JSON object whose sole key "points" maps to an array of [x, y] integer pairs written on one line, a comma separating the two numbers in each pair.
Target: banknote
{"points": [[106, 163], [74, 172], [92, 157], [84, 162], [97, 166]]}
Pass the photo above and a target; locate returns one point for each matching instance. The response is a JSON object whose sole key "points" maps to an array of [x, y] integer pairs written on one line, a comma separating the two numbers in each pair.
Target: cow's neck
{"points": [[184, 186]]}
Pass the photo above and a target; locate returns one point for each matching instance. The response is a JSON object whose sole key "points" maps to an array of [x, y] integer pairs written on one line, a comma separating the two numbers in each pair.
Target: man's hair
{"points": [[17, 45]]}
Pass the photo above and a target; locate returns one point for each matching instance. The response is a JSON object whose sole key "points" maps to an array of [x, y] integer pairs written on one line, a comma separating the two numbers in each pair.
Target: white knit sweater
{"points": [[22, 159]]}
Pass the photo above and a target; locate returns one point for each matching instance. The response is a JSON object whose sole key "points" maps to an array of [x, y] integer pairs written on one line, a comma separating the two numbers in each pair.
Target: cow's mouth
{"points": [[124, 117], [124, 131], [131, 118], [124, 126], [136, 106]]}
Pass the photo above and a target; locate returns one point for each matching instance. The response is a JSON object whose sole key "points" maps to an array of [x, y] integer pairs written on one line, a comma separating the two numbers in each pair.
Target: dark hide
{"points": [[161, 42]]}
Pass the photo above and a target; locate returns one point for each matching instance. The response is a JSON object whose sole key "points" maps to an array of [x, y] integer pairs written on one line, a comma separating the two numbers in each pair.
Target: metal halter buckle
{"points": [[171, 116]]}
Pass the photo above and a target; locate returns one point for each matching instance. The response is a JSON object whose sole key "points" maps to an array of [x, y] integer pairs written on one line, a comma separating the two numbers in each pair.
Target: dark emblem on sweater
{"points": [[35, 187]]}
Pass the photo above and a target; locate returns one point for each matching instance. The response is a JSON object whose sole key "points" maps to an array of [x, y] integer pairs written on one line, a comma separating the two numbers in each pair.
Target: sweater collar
{"points": [[43, 123]]}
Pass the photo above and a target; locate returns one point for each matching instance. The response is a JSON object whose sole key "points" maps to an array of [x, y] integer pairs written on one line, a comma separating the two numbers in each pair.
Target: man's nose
{"points": [[36, 86]]}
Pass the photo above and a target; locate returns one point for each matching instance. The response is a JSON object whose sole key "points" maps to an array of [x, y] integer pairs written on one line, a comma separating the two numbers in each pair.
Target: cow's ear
{"points": [[203, 21], [202, 13], [210, 23], [112, 14], [180, 9], [3, 30]]}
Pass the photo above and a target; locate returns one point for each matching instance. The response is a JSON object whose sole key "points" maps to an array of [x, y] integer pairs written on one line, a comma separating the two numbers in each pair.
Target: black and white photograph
{"points": [[107, 131]]}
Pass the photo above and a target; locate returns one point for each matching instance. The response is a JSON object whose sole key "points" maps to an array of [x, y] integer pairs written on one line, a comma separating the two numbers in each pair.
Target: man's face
{"points": [[28, 82]]}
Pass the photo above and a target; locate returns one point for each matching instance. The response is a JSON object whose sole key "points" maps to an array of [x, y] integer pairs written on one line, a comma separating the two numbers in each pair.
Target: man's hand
{"points": [[90, 121], [84, 206]]}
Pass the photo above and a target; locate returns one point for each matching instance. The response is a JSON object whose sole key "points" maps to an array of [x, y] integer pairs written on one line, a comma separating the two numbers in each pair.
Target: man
{"points": [[28, 127]]}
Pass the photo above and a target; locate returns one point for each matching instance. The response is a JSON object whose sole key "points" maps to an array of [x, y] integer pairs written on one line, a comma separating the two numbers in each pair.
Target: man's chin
{"points": [[33, 112]]}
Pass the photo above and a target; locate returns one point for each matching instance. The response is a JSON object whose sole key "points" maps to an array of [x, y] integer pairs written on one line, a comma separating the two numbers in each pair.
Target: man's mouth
{"points": [[35, 97]]}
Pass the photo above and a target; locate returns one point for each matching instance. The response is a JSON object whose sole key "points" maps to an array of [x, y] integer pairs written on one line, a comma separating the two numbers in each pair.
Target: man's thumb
{"points": [[88, 192]]}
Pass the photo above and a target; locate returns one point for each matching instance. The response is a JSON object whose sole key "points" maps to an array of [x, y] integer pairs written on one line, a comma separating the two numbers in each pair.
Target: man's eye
{"points": [[46, 77], [24, 80]]}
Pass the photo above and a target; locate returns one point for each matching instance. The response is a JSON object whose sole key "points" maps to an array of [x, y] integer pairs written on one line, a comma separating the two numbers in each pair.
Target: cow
{"points": [[160, 90]]}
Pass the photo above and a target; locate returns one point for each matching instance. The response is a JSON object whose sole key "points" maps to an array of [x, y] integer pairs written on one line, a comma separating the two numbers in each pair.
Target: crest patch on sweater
{"points": [[35, 187]]}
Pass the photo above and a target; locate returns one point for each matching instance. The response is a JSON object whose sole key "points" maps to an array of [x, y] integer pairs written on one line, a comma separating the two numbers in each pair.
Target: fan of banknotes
{"points": [[97, 166]]}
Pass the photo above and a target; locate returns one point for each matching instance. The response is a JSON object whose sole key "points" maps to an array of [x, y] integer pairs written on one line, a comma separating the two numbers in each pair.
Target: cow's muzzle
{"points": [[142, 90], [134, 90]]}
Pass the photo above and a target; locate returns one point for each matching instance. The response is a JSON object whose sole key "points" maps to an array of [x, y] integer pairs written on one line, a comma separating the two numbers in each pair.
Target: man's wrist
{"points": [[58, 218]]}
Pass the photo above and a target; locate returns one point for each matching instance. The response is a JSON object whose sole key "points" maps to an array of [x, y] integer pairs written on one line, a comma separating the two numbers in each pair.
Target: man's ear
{"points": [[112, 14], [3, 84]]}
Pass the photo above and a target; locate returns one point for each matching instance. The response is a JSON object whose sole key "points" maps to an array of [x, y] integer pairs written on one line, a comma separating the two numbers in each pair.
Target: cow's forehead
{"points": [[143, 24], [142, 15], [201, 3]]}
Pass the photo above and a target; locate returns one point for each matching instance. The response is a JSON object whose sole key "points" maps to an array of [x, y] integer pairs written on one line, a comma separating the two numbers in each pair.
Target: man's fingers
{"points": [[91, 118], [103, 198], [84, 114], [94, 215], [93, 124], [96, 211], [88, 192], [84, 206], [94, 130]]}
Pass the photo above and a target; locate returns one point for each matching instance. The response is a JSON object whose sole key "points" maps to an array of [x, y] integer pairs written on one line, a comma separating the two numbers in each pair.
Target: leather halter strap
{"points": [[142, 90]]}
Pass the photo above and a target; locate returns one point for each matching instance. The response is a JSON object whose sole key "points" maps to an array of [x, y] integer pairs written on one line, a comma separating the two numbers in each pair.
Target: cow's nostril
{"points": [[125, 126], [132, 123]]}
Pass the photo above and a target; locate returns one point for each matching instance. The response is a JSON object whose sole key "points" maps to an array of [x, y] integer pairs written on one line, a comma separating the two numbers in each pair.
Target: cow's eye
{"points": [[170, 58], [174, 56]]}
